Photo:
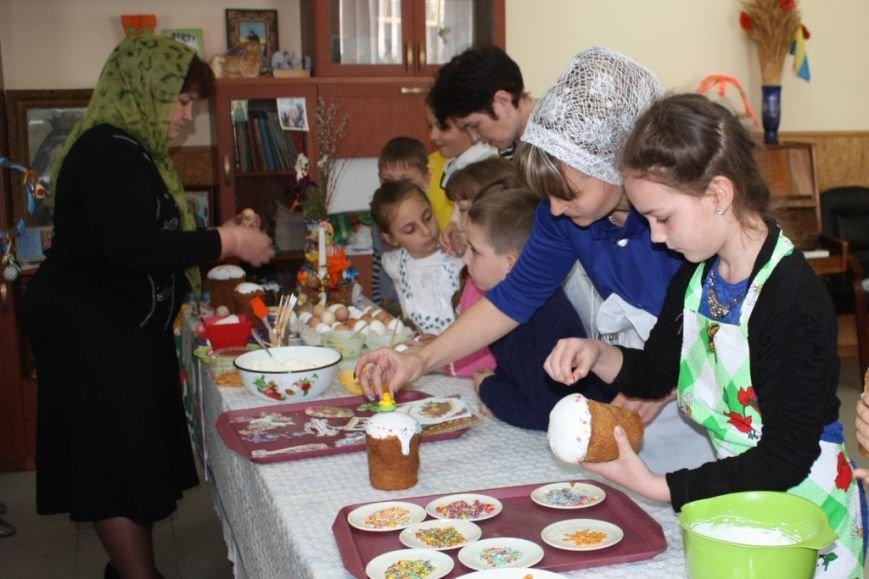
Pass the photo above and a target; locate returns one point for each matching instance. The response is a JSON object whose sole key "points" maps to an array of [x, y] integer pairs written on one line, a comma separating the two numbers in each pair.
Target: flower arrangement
{"points": [[773, 26], [315, 198]]}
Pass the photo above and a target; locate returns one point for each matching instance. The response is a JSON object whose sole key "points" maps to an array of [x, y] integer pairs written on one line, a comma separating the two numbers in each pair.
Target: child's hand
{"points": [[862, 421], [453, 241], [630, 471], [571, 359], [647, 409]]}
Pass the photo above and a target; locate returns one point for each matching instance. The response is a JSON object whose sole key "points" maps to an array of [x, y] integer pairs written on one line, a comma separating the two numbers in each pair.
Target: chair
{"points": [[845, 215]]}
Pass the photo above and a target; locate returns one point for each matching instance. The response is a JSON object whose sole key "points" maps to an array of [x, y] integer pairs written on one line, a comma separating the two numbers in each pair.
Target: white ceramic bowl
{"points": [[298, 372]]}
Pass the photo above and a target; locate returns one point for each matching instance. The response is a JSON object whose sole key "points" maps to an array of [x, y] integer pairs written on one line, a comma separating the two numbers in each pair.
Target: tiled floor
{"points": [[190, 544]]}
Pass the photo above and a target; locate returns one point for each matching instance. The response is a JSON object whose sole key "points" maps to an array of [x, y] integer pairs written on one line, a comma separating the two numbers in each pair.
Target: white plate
{"points": [[568, 495], [469, 498], [512, 574], [555, 533], [469, 531], [443, 564], [527, 553], [412, 514]]}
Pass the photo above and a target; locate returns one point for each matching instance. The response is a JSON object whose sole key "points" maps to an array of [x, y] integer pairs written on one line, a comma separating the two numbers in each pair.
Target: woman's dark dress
{"points": [[111, 433]]}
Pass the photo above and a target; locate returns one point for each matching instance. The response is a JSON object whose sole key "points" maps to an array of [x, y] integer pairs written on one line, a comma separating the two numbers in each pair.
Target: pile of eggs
{"points": [[369, 320]]}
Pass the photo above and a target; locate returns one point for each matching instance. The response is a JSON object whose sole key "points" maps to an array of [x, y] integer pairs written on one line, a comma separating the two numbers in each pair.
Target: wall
{"points": [[62, 44]]}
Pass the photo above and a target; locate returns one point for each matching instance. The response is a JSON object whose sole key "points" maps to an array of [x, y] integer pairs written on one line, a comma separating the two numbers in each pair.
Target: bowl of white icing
{"points": [[756, 534], [290, 374]]}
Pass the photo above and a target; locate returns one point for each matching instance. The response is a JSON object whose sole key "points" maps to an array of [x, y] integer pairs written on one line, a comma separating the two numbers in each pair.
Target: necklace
{"points": [[716, 309]]}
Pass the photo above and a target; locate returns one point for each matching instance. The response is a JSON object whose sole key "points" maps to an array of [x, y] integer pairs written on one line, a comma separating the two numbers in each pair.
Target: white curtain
{"points": [[370, 31]]}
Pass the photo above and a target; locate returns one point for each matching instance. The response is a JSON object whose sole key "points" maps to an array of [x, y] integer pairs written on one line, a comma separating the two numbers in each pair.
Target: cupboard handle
{"points": [[420, 50], [413, 90], [4, 297], [227, 170], [408, 56]]}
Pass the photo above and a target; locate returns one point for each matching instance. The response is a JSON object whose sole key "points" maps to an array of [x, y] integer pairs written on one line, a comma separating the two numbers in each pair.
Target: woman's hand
{"points": [[630, 471], [862, 420], [647, 409], [386, 369], [246, 243], [571, 359], [247, 218]]}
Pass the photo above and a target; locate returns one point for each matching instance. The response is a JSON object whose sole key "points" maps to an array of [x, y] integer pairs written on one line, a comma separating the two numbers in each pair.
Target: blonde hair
{"points": [[540, 172]]}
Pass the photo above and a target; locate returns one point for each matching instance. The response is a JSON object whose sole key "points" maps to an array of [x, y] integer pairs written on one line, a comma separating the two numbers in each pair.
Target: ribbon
{"points": [[721, 81]]}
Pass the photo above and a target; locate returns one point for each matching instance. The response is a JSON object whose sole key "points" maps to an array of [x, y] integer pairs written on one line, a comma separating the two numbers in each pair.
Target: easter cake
{"points": [[581, 430], [392, 440], [220, 283]]}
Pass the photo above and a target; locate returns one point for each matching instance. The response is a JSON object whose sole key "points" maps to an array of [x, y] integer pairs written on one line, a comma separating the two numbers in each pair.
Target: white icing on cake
{"points": [[247, 288], [224, 272], [396, 424], [570, 428]]}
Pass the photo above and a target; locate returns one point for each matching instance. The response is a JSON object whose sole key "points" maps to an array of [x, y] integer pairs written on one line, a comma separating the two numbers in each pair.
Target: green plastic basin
{"points": [[796, 517]]}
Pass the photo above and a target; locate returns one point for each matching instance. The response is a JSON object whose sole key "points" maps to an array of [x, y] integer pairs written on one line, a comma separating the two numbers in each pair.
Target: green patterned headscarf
{"points": [[136, 92]]}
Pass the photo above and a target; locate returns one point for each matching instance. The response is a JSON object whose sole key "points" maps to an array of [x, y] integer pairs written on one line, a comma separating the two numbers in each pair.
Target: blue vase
{"points": [[771, 113]]}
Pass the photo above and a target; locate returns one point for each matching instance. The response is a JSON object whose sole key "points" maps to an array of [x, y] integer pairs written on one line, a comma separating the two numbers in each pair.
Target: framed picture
{"points": [[257, 25], [192, 37], [200, 205], [293, 114], [39, 122]]}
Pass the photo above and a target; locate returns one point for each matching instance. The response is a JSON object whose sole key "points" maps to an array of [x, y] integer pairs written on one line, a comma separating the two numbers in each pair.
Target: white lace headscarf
{"points": [[585, 117]]}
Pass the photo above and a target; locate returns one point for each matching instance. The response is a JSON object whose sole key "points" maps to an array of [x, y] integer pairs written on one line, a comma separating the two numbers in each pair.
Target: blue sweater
{"points": [[623, 261], [520, 392]]}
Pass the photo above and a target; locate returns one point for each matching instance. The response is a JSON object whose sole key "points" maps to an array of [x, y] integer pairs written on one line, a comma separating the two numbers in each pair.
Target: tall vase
{"points": [[771, 113]]}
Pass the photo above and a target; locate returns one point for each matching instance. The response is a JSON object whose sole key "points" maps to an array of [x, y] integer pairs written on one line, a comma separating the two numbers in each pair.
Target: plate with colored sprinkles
{"points": [[385, 516], [500, 552], [582, 534], [465, 506], [568, 495], [409, 564], [440, 535]]}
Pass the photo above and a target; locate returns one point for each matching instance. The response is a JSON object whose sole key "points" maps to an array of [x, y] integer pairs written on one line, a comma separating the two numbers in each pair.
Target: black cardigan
{"points": [[794, 369]]}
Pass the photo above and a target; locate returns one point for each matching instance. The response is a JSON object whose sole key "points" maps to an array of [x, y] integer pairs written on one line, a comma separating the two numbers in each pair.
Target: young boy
{"points": [[401, 159], [481, 90], [519, 391]]}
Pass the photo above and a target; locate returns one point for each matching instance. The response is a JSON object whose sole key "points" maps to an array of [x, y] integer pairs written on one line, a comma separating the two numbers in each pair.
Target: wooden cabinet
{"points": [[395, 37], [17, 380]]}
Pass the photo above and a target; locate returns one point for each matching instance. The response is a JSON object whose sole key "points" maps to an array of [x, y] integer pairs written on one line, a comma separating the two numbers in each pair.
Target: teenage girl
{"points": [[747, 332]]}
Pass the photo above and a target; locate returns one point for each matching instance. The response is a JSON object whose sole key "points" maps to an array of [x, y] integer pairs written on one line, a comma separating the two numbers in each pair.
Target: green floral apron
{"points": [[715, 390]]}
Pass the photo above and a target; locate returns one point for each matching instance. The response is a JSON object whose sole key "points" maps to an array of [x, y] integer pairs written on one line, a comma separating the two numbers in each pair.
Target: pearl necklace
{"points": [[716, 309]]}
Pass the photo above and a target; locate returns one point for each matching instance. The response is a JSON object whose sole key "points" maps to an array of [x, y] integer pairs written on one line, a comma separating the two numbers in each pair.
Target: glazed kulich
{"points": [[220, 282], [581, 430], [242, 294], [392, 440]]}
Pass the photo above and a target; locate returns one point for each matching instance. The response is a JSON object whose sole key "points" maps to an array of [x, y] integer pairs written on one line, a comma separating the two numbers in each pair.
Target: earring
{"points": [[720, 210]]}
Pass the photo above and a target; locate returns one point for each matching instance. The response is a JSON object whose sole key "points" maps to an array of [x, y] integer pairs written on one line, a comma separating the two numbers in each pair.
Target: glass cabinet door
{"points": [[395, 37]]}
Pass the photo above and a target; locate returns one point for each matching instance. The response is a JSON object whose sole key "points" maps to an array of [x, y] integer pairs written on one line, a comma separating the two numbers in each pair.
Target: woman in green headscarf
{"points": [[112, 443]]}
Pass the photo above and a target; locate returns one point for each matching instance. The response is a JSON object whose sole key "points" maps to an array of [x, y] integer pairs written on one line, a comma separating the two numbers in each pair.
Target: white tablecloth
{"points": [[278, 517]]}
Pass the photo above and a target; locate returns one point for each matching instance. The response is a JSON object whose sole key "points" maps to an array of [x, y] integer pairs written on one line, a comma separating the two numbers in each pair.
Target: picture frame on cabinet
{"points": [[293, 114], [39, 122], [192, 37], [199, 202], [259, 25]]}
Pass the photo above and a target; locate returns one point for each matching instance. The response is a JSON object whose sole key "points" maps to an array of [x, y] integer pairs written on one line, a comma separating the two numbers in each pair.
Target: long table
{"points": [[277, 517]]}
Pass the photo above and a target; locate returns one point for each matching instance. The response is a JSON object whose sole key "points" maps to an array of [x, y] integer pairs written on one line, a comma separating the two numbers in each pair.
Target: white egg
{"points": [[304, 317], [335, 325], [377, 327], [367, 309], [334, 307], [396, 325], [221, 311], [355, 312], [321, 327], [328, 317], [359, 325]]}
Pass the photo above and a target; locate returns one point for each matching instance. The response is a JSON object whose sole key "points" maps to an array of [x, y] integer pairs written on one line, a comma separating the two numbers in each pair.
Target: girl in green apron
{"points": [[747, 332]]}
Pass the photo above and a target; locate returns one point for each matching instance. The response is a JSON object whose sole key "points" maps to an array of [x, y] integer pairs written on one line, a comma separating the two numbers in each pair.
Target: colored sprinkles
{"points": [[441, 537], [500, 556], [464, 510], [567, 497], [387, 518], [410, 569]]}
